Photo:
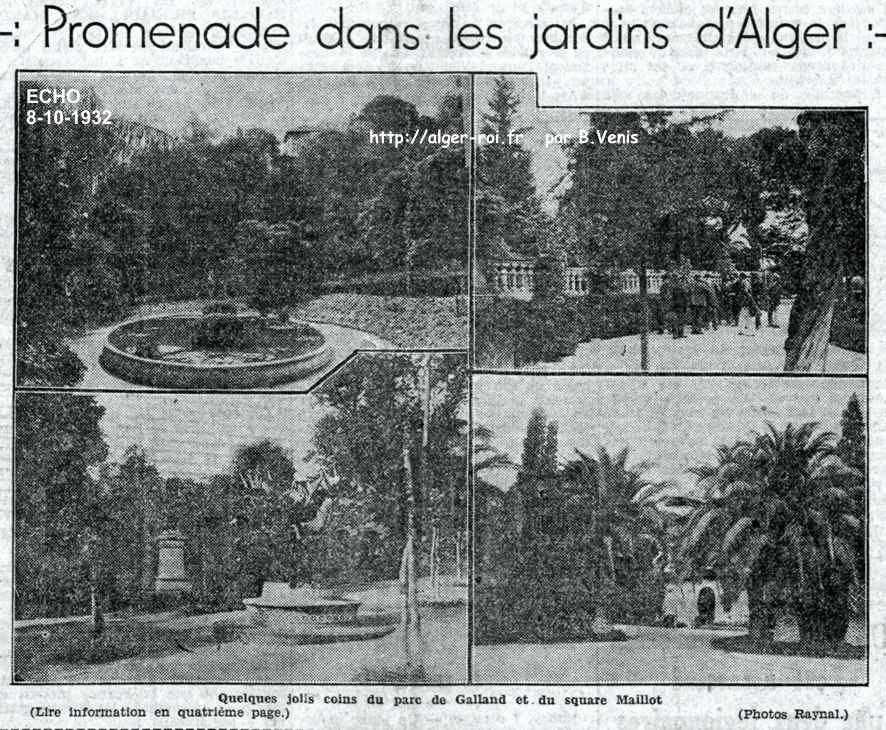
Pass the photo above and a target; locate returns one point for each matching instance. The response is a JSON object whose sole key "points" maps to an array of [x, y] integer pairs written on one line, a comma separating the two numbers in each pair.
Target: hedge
{"points": [[437, 283], [511, 333], [848, 327]]}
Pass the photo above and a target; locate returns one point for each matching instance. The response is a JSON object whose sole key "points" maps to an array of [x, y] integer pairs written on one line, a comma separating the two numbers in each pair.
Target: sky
{"points": [[276, 102], [197, 435], [549, 162], [674, 421]]}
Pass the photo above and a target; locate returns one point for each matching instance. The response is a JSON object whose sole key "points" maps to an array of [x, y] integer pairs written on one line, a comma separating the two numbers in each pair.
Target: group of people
{"points": [[702, 303]]}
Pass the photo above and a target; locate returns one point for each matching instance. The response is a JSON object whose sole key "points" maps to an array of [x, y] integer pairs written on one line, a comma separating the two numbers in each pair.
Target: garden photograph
{"points": [[667, 240], [678, 531], [235, 231], [237, 538]]}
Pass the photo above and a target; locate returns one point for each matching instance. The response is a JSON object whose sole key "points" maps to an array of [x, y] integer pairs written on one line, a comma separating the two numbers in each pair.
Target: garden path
{"points": [[657, 656], [723, 350]]}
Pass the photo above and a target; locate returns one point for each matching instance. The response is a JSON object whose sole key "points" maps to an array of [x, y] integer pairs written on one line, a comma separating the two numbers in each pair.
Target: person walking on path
{"points": [[774, 299], [736, 293], [747, 307], [664, 305], [712, 305], [698, 300], [758, 293], [679, 303]]}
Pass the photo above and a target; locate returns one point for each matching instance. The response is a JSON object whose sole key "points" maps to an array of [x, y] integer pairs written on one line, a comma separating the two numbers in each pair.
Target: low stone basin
{"points": [[160, 351], [285, 610]]}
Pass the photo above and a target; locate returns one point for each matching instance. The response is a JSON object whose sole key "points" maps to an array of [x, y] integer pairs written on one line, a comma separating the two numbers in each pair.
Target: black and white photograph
{"points": [[185, 231], [237, 538], [669, 530], [667, 240]]}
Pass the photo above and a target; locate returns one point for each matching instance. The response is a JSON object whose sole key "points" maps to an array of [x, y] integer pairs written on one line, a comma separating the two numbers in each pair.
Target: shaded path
{"points": [[655, 655], [723, 350]]}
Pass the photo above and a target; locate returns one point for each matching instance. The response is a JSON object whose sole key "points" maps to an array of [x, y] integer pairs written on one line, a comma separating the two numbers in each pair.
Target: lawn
{"points": [[407, 322]]}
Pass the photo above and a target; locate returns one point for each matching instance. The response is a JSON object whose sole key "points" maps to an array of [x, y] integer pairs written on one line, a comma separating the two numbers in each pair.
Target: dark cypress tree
{"points": [[508, 209], [851, 446], [532, 462], [551, 447]]}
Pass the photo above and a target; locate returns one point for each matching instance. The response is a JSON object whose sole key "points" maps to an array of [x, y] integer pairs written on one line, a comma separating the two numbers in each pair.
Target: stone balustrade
{"points": [[515, 279]]}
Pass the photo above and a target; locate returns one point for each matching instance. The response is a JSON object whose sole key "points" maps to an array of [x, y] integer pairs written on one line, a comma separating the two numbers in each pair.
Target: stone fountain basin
{"points": [[165, 373], [286, 610]]}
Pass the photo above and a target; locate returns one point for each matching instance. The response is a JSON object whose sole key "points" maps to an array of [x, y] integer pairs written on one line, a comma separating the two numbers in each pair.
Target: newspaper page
{"points": [[463, 365]]}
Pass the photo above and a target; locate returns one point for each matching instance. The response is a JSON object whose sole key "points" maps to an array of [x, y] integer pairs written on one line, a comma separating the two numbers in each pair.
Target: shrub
{"points": [[402, 283], [223, 333], [220, 308], [512, 332], [848, 327], [545, 593], [44, 359], [637, 598]]}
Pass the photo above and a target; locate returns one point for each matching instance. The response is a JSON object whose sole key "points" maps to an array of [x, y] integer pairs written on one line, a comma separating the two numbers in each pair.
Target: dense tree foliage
{"points": [[58, 443], [781, 516], [65, 275], [834, 201], [376, 407], [509, 213], [572, 548], [105, 226]]}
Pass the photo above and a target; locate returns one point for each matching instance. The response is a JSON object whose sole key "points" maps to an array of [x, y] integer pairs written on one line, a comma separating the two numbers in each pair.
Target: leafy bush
{"points": [[44, 359], [220, 308], [223, 333], [545, 593], [403, 283], [510, 614], [637, 598], [511, 332], [848, 327]]}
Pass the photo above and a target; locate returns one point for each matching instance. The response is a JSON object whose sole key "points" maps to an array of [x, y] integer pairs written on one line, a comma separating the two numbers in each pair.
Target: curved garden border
{"points": [[164, 374]]}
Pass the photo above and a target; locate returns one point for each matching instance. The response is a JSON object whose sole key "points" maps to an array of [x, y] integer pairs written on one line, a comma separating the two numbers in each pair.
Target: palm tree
{"points": [[610, 495], [486, 456], [776, 517]]}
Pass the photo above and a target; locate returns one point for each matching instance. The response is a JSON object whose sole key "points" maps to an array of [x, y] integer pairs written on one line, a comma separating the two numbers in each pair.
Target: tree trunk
{"points": [[809, 328], [823, 611], [433, 567], [644, 332], [98, 616], [761, 620], [95, 603], [411, 619]]}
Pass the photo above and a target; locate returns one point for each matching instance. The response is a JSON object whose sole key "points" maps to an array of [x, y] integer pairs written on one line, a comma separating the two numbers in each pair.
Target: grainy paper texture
{"points": [[529, 384]]}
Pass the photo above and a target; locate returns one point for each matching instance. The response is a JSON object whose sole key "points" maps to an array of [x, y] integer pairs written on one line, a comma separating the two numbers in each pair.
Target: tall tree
{"points": [[851, 446], [58, 442], [632, 194], [834, 192], [777, 519], [508, 209], [533, 461], [375, 410], [62, 280]]}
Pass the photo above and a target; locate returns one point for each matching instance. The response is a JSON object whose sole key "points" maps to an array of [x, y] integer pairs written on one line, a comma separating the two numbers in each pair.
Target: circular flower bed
{"points": [[215, 351]]}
